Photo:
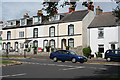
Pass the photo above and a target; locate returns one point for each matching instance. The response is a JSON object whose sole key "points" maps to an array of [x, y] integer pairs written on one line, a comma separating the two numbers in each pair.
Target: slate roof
{"points": [[67, 17], [104, 20], [75, 16]]}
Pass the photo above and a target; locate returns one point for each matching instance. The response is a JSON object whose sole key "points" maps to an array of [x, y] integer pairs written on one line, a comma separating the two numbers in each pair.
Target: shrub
{"points": [[67, 47], [52, 49], [47, 48], [28, 49], [87, 51], [99, 55]]}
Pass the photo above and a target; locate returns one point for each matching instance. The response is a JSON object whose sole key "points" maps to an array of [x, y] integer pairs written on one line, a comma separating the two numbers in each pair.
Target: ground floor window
{"points": [[35, 43], [16, 46], [45, 43], [52, 43], [8, 45], [21, 45], [71, 42], [101, 48], [4, 46], [112, 46]]}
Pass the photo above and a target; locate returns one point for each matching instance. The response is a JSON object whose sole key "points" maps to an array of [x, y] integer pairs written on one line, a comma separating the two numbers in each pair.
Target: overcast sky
{"points": [[10, 9]]}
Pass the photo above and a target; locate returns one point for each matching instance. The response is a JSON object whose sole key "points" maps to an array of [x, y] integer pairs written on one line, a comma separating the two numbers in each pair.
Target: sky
{"points": [[12, 9]]}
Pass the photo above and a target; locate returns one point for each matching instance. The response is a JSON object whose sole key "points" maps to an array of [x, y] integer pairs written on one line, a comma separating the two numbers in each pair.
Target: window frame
{"points": [[50, 31], [44, 44], [34, 32], [34, 43], [100, 30], [21, 34], [71, 25], [53, 41], [8, 34], [69, 42], [99, 47]]}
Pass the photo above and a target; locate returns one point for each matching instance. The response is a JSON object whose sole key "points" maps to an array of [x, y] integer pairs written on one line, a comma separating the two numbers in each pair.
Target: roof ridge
{"points": [[74, 11], [108, 12]]}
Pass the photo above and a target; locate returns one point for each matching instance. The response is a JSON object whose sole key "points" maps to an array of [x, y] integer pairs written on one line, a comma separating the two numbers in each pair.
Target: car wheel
{"points": [[55, 59], [108, 59], [63, 61], [73, 60], [81, 61]]}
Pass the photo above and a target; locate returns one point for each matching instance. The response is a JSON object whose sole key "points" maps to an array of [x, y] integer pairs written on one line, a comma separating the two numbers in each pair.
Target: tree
{"points": [[89, 5], [51, 6], [52, 9], [116, 11]]}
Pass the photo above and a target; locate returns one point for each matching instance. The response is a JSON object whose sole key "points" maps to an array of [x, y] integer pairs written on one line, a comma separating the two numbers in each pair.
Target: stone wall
{"points": [[78, 50]]}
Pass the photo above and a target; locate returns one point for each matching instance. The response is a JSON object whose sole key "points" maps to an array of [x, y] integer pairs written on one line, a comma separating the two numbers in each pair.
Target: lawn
{"points": [[11, 56], [6, 62]]}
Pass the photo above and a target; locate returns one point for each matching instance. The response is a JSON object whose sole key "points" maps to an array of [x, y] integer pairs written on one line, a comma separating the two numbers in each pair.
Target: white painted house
{"points": [[104, 33]]}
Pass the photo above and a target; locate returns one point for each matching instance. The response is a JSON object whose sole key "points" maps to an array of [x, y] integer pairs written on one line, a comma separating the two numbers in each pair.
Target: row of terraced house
{"points": [[76, 29]]}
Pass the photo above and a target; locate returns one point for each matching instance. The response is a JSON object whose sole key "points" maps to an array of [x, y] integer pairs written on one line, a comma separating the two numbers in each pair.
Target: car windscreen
{"points": [[72, 52]]}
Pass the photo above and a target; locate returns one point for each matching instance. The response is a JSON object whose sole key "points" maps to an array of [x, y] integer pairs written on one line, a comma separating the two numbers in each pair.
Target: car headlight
{"points": [[80, 57]]}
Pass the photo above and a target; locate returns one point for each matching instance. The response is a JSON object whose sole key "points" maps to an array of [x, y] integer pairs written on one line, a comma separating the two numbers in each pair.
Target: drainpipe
{"points": [[58, 35]]}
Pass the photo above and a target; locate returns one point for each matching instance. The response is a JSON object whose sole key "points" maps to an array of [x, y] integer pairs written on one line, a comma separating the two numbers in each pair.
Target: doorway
{"points": [[63, 44]]}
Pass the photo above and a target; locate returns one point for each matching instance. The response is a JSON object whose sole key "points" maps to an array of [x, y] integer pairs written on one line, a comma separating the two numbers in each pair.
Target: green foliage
{"points": [[28, 49], [99, 55], [116, 11], [87, 51], [67, 47], [52, 6], [47, 48], [52, 49]]}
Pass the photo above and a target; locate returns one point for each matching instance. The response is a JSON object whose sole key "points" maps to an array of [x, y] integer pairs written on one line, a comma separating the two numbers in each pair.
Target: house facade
{"points": [[65, 29], [1, 25], [104, 33]]}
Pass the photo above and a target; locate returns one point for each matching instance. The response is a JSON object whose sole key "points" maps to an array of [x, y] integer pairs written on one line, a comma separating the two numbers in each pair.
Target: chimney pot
{"points": [[98, 10]]}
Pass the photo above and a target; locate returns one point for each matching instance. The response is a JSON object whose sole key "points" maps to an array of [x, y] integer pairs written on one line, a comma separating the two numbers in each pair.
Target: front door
{"points": [[64, 44]]}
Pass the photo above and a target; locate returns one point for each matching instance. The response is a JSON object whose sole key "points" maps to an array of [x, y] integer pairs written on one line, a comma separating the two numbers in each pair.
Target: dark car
{"points": [[67, 55], [112, 55]]}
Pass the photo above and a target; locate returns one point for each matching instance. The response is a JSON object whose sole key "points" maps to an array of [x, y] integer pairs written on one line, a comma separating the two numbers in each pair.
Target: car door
{"points": [[117, 55], [66, 56]]}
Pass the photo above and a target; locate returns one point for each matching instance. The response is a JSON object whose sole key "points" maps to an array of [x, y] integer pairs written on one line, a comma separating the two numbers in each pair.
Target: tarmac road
{"points": [[46, 68]]}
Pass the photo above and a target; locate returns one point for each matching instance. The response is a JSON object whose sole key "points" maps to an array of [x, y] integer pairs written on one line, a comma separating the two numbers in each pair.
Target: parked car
{"points": [[67, 55], [112, 55]]}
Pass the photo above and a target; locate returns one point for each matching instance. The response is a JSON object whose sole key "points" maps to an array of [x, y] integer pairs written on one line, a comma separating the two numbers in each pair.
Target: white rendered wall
{"points": [[110, 35]]}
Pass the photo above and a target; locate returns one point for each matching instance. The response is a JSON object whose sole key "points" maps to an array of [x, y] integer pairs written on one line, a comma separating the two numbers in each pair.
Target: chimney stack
{"points": [[98, 10], [91, 6], [26, 15], [39, 13], [71, 9]]}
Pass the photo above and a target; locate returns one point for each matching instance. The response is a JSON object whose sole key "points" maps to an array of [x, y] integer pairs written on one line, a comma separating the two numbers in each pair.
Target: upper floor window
{"points": [[55, 17], [71, 42], [36, 19], [35, 32], [8, 35], [52, 31], [100, 33], [70, 29], [21, 34], [23, 22], [11, 23]]}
